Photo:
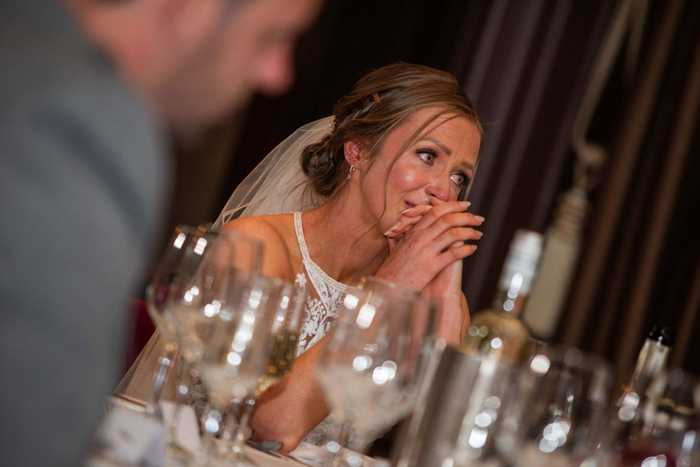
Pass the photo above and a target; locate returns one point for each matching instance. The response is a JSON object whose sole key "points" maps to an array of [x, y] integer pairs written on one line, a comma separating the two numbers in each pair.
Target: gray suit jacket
{"points": [[82, 183]]}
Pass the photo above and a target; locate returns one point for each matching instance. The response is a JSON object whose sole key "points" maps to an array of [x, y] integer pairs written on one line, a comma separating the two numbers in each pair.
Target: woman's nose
{"points": [[439, 189]]}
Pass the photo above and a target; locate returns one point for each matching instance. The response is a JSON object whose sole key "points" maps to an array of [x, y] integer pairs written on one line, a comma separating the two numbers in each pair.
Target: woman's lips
{"points": [[409, 205]]}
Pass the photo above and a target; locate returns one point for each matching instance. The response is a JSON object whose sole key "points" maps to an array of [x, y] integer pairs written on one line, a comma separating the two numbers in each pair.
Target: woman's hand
{"points": [[293, 406], [426, 240], [447, 289]]}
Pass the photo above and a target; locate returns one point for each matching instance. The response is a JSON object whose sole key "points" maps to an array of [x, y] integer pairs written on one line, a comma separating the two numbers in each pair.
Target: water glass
{"points": [[558, 409], [666, 434], [370, 369], [460, 412]]}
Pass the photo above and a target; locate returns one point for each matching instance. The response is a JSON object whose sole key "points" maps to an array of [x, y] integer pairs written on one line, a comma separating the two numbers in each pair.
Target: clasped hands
{"points": [[426, 249], [427, 239]]}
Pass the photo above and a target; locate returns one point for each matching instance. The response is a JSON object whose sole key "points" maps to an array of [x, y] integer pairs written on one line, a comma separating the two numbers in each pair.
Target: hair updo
{"points": [[381, 101]]}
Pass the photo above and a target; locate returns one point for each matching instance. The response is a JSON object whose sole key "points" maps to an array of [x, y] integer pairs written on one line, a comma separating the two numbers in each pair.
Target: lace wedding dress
{"points": [[277, 185], [325, 296]]}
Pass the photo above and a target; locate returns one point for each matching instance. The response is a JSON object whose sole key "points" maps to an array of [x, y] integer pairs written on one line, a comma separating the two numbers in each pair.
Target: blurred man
{"points": [[86, 87]]}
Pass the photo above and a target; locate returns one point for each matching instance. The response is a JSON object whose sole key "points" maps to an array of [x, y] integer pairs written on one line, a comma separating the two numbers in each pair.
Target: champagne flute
{"points": [[369, 370], [287, 308]]}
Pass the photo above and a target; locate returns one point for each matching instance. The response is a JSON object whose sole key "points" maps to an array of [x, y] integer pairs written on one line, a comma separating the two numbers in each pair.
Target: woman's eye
{"points": [[427, 156], [459, 179]]}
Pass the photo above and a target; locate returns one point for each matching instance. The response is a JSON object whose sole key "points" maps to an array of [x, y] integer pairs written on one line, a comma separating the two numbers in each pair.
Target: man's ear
{"points": [[354, 153], [188, 22]]}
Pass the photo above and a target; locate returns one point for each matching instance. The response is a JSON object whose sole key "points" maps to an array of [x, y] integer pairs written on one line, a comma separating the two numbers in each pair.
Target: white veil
{"points": [[278, 183]]}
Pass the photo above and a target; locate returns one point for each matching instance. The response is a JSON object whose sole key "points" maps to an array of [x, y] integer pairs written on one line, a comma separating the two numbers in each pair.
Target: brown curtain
{"points": [[526, 64], [640, 263]]}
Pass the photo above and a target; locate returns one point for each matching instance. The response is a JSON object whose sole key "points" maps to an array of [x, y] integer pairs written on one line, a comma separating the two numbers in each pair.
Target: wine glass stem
{"points": [[171, 427], [183, 390], [241, 432], [213, 422], [230, 428], [166, 361], [343, 437]]}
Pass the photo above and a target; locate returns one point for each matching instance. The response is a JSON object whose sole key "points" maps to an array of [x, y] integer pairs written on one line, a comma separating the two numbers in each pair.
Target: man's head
{"points": [[196, 60]]}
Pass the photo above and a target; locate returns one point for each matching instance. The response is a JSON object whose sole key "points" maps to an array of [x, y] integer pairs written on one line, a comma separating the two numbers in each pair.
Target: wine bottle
{"points": [[500, 331]]}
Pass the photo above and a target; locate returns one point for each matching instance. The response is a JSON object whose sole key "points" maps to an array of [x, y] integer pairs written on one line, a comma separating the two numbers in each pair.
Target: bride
{"points": [[374, 189]]}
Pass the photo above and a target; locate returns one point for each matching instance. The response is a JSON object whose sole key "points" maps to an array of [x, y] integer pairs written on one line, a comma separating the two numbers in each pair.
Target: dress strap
{"points": [[312, 267]]}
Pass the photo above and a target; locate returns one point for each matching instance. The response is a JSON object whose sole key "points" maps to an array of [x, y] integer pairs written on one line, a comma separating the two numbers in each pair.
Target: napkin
{"points": [[187, 430], [132, 436]]}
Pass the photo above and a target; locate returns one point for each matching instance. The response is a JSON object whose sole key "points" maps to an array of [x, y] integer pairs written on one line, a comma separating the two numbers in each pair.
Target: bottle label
{"points": [[521, 264], [518, 275]]}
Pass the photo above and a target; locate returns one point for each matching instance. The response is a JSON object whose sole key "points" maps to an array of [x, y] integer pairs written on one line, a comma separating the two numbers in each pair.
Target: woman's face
{"points": [[439, 163]]}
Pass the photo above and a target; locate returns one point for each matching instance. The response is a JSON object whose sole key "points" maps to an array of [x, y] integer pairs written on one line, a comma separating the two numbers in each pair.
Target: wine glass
{"points": [[286, 306], [677, 418], [185, 251], [558, 409], [232, 325], [193, 302], [231, 252], [177, 265], [369, 369], [666, 432], [181, 265]]}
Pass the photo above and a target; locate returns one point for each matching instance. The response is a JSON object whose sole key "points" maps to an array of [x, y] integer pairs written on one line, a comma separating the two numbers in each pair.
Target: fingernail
{"points": [[465, 204], [406, 210], [474, 247], [479, 218], [392, 229], [479, 233]]}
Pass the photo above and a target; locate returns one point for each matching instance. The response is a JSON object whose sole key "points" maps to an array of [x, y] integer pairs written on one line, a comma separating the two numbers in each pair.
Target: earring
{"points": [[352, 169]]}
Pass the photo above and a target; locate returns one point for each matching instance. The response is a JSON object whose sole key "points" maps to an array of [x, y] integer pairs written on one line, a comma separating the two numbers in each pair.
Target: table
{"points": [[130, 437], [260, 458]]}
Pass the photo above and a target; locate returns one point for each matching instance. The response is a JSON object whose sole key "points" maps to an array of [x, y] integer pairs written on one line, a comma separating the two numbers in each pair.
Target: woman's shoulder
{"points": [[276, 233], [268, 227]]}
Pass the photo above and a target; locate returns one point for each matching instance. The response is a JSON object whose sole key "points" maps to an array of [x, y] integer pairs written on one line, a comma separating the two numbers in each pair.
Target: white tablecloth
{"points": [[130, 437]]}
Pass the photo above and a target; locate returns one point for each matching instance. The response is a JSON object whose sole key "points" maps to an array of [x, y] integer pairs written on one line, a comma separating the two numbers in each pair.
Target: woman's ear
{"points": [[354, 153]]}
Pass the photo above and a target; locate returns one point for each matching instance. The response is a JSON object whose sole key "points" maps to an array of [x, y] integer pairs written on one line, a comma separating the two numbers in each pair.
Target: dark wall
{"points": [[349, 39]]}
